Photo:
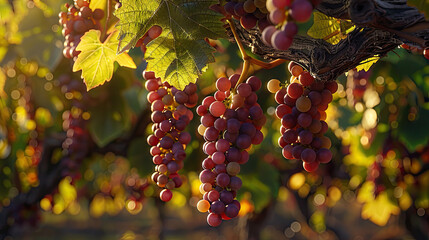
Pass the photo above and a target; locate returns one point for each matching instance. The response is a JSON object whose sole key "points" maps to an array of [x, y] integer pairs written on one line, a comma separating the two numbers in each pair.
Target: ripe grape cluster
{"points": [[301, 108], [78, 19], [283, 14], [251, 13], [230, 123], [170, 115]]}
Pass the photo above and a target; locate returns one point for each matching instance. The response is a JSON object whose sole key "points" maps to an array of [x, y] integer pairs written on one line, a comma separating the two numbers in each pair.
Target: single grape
{"points": [[98, 14], [217, 207], [295, 90], [217, 108], [223, 84], [154, 31], [277, 16], [273, 85], [301, 10], [166, 195], [203, 205], [310, 166], [280, 40], [248, 21], [214, 220], [231, 211], [290, 29], [308, 155], [303, 104], [324, 155], [287, 152], [267, 34]]}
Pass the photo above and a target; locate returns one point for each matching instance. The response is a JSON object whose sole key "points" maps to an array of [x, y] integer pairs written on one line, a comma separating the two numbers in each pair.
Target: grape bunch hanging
{"points": [[302, 106], [78, 19], [231, 121], [170, 116]]}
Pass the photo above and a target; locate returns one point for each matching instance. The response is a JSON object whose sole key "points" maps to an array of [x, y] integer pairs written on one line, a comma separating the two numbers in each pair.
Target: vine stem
{"points": [[248, 60], [109, 13]]}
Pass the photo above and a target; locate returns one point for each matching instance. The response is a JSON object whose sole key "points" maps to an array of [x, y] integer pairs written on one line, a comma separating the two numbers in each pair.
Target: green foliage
{"points": [[263, 185], [97, 59], [180, 54], [109, 121], [38, 36], [414, 133]]}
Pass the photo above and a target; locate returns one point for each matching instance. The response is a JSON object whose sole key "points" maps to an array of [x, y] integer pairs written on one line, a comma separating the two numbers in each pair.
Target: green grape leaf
{"points": [[421, 5], [366, 64], [414, 133], [100, 4], [109, 121], [263, 185], [328, 28], [180, 54], [137, 154], [96, 59]]}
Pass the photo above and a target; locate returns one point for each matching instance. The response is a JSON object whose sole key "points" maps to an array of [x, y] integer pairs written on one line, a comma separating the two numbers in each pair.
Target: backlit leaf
{"points": [[379, 210], [96, 59], [366, 64], [110, 121], [180, 53], [328, 28]]}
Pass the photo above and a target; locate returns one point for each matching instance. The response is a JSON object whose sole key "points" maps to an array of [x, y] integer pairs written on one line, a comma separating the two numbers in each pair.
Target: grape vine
{"points": [[360, 138]]}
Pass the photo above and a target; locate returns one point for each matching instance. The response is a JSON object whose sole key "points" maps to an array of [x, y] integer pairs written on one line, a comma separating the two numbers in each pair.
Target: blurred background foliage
{"points": [[377, 182]]}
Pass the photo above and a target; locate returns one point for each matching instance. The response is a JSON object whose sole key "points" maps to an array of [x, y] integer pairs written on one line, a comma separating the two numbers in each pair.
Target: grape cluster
{"points": [[358, 81], [301, 108], [230, 123], [135, 186], [170, 115], [78, 19], [251, 13], [78, 141], [283, 13]]}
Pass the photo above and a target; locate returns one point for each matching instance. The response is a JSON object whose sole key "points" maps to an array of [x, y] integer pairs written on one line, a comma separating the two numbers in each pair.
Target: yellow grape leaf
{"points": [[100, 4], [379, 210], [405, 201], [357, 156], [96, 59], [328, 28], [366, 64], [366, 192]]}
